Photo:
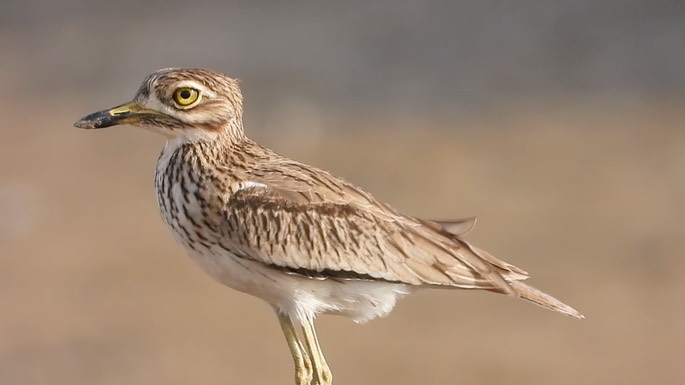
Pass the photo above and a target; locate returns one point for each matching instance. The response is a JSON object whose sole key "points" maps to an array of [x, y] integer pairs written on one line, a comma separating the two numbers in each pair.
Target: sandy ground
{"points": [[590, 201]]}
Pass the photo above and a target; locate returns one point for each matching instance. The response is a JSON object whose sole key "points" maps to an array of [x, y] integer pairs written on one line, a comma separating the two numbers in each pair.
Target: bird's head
{"points": [[193, 104]]}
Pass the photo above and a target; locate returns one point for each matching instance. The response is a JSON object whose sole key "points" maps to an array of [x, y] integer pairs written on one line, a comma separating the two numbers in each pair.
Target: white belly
{"points": [[302, 297]]}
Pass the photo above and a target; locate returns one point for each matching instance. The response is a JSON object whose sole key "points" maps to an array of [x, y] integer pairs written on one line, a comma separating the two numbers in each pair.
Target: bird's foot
{"points": [[304, 371], [323, 376]]}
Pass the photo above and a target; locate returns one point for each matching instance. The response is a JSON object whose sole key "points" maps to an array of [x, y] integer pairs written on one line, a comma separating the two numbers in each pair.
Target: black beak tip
{"points": [[96, 120], [82, 123]]}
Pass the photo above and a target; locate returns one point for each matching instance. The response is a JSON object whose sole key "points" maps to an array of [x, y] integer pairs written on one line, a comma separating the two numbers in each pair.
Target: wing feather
{"points": [[326, 227]]}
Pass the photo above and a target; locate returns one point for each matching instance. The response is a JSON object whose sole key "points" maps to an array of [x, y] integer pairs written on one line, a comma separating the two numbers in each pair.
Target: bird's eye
{"points": [[185, 96]]}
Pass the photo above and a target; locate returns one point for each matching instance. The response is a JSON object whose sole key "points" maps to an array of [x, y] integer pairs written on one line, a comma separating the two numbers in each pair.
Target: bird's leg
{"points": [[303, 363], [322, 373]]}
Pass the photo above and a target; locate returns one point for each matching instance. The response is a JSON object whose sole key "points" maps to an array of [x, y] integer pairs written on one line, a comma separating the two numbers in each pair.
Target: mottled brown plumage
{"points": [[296, 236]]}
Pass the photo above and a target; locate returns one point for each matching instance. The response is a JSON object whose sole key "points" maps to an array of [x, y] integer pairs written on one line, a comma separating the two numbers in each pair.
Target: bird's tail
{"points": [[545, 300]]}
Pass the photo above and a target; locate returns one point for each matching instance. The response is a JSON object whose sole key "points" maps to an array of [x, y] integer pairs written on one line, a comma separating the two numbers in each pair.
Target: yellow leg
{"points": [[322, 373], [303, 363]]}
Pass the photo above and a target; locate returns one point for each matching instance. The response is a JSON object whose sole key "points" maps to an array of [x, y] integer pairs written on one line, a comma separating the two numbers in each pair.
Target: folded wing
{"points": [[303, 220]]}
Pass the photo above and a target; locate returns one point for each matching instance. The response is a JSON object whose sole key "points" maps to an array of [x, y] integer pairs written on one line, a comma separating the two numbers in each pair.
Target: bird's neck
{"points": [[229, 134], [213, 146]]}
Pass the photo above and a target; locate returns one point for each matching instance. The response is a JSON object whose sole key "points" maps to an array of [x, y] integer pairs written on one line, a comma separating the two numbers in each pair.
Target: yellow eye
{"points": [[185, 96]]}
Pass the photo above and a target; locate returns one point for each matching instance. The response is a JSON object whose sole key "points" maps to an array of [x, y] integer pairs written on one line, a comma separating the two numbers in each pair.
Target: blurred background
{"points": [[559, 124]]}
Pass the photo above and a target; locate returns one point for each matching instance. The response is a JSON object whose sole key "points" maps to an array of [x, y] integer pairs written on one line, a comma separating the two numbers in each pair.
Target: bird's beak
{"points": [[129, 113]]}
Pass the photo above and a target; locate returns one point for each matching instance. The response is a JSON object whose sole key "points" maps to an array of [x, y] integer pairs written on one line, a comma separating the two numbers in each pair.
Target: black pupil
{"points": [[185, 94]]}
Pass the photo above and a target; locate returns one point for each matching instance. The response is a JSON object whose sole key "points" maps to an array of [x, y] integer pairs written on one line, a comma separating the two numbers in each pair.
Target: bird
{"points": [[301, 239]]}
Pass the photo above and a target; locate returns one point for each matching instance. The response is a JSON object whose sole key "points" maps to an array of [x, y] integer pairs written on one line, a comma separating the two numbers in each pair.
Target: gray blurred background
{"points": [[560, 124]]}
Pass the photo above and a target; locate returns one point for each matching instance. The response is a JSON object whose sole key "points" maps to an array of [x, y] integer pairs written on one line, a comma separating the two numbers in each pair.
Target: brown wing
{"points": [[304, 220]]}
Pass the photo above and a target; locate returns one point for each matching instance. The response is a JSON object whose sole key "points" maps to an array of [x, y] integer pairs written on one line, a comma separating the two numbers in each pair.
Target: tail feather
{"points": [[545, 300]]}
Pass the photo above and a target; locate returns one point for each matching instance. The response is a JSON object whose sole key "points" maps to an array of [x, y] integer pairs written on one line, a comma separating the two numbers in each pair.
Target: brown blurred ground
{"points": [[590, 202]]}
